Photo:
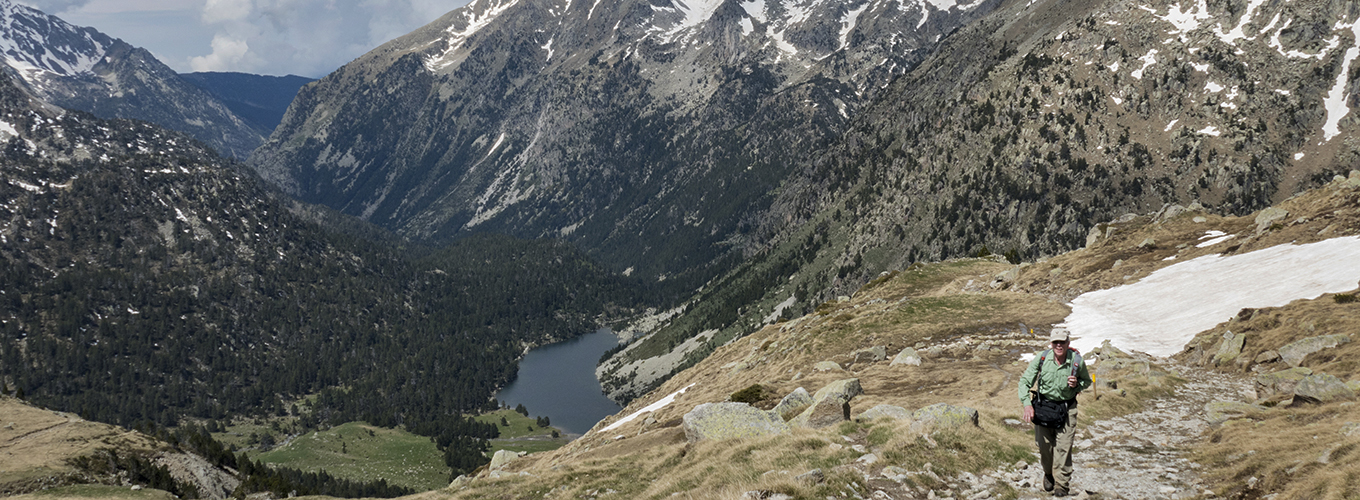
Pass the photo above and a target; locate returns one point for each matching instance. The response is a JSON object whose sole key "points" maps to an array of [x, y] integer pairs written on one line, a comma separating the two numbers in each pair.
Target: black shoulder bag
{"points": [[1047, 412]]}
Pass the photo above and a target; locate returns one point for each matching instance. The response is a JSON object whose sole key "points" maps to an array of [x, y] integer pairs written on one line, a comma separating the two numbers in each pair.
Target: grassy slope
{"points": [[361, 452], [522, 433]]}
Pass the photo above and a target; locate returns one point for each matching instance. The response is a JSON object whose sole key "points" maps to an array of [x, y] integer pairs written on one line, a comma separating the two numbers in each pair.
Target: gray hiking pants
{"points": [[1055, 446]]}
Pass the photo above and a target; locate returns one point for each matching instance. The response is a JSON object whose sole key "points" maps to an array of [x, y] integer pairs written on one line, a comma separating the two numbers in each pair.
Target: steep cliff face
{"points": [[83, 69], [1029, 128], [647, 132]]}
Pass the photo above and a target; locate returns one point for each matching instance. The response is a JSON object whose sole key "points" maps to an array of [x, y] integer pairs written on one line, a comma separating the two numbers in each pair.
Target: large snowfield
{"points": [[1161, 313]]}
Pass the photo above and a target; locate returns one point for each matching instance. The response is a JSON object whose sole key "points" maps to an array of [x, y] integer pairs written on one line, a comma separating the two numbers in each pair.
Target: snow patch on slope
{"points": [[476, 16], [1161, 313]]}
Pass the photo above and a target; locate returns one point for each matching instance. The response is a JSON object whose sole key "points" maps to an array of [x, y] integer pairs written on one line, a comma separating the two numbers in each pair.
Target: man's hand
{"points": [[1071, 381], [1028, 414]]}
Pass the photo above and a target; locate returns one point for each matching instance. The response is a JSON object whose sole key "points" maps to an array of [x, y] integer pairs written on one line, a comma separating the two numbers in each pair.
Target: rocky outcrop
{"points": [[943, 416], [830, 406], [885, 411], [793, 404], [1230, 348], [1321, 388], [1280, 382], [1217, 412], [1294, 352], [720, 421], [907, 357]]}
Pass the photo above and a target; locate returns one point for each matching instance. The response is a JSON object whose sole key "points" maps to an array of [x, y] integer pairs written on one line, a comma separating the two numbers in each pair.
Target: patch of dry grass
{"points": [[1294, 452]]}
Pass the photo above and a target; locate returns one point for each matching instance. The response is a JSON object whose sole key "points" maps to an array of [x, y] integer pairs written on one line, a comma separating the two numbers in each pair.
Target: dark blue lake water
{"points": [[558, 381]]}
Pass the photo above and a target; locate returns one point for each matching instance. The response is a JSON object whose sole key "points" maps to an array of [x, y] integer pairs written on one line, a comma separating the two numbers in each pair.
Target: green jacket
{"points": [[1052, 377]]}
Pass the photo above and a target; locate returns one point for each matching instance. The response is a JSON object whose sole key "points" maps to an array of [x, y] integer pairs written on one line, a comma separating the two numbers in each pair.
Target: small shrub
{"points": [[749, 395], [1344, 298]]}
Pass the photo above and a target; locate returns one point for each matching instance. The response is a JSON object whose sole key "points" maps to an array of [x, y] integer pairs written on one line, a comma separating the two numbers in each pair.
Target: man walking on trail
{"points": [[1061, 374]]}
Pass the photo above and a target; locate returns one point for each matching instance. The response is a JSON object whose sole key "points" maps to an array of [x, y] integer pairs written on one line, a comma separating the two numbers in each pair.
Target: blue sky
{"points": [[272, 37]]}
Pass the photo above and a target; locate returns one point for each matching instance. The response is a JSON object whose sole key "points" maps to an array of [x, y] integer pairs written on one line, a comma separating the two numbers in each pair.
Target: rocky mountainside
{"points": [[260, 100], [648, 132], [1028, 128], [908, 389], [83, 69]]}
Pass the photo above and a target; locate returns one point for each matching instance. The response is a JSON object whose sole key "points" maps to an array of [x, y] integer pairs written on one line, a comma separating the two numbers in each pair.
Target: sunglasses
{"points": [[1059, 342]]}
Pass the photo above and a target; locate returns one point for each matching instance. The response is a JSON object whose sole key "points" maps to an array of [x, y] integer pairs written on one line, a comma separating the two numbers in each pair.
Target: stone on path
{"points": [[1218, 412]]}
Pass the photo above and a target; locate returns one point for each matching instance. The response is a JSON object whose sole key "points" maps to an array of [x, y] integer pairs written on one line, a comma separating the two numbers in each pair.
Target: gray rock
{"points": [[1148, 243], [827, 366], [1281, 382], [1350, 429], [460, 481], [1294, 352], [1269, 216], [1321, 388], [870, 355], [885, 411], [720, 421], [1217, 412], [907, 357], [1267, 357], [503, 457], [793, 404], [1200, 219], [813, 476], [1230, 348], [831, 405], [867, 459], [943, 416]]}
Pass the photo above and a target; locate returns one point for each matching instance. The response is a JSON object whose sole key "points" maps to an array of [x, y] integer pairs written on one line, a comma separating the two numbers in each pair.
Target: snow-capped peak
{"points": [[34, 43]]}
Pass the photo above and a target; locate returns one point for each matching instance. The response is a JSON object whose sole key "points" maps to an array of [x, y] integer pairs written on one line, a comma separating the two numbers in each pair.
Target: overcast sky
{"points": [[271, 37]]}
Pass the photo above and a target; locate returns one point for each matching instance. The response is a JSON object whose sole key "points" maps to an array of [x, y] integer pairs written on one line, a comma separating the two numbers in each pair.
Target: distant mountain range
{"points": [[651, 134], [83, 69], [260, 100]]}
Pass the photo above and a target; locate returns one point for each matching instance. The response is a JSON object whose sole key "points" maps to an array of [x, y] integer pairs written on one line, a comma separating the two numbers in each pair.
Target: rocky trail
{"points": [[1142, 455]]}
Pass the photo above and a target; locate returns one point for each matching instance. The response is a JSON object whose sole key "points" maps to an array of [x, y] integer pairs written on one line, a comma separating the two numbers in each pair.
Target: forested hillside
{"points": [[145, 278]]}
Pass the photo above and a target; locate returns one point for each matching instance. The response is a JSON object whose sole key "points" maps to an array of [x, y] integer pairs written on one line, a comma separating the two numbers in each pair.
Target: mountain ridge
{"points": [[81, 68]]}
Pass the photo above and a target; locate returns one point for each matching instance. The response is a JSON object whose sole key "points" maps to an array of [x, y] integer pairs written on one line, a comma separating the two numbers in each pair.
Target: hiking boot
{"points": [[1048, 482], [1060, 492]]}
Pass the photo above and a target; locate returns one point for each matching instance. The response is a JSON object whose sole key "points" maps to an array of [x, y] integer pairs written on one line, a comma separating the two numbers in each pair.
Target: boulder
{"points": [[870, 355], [1267, 357], [503, 457], [1218, 412], [1294, 352], [827, 366], [1350, 429], [885, 411], [908, 356], [793, 404], [1268, 217], [1148, 243], [813, 476], [1280, 382], [941, 416], [1230, 348], [830, 406], [1321, 388], [720, 421]]}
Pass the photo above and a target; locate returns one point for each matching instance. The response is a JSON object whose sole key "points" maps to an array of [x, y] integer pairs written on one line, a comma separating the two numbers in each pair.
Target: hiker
{"points": [[1061, 374]]}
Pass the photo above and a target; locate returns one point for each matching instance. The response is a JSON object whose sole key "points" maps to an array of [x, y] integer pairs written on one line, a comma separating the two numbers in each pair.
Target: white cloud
{"points": [[217, 11], [228, 53], [303, 37]]}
